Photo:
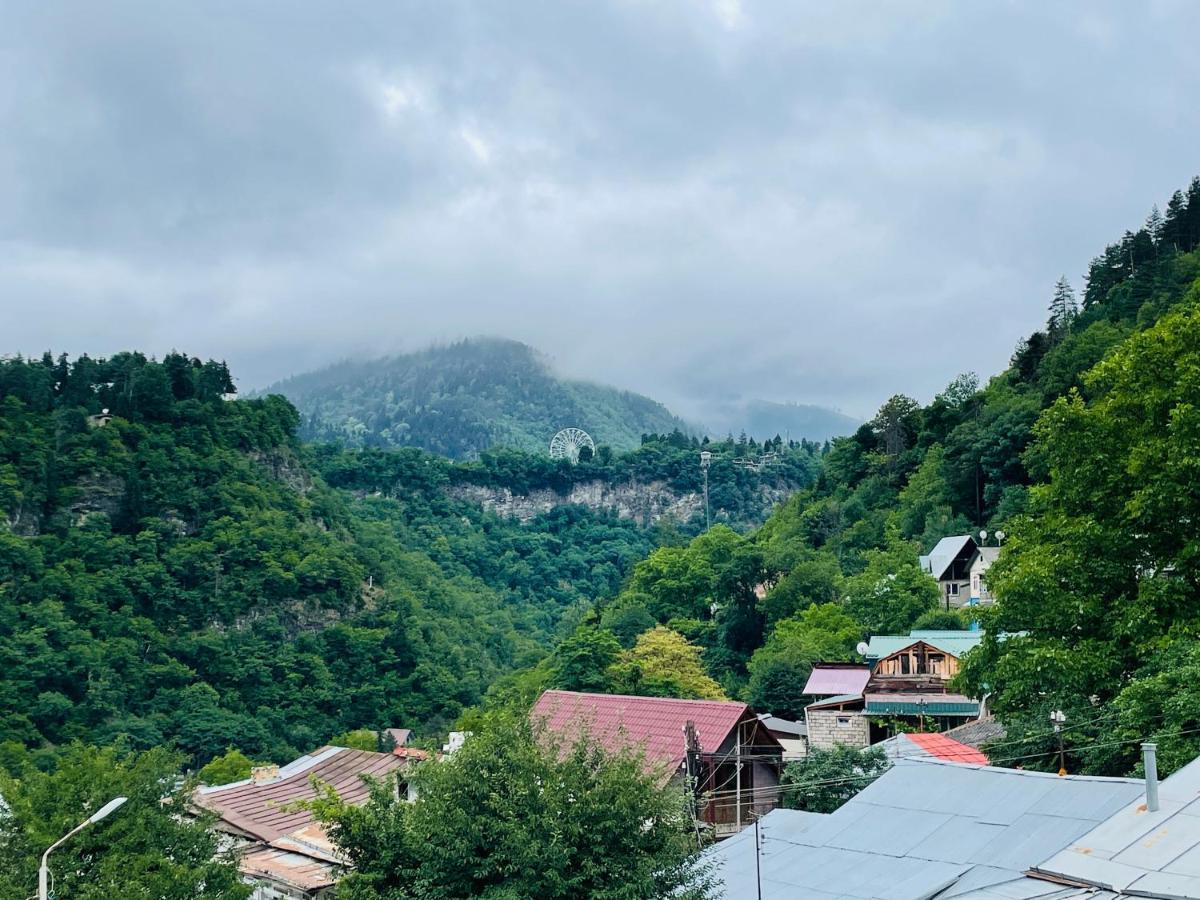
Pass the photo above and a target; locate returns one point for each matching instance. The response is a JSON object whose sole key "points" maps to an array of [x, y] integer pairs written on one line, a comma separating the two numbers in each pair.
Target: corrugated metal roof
{"points": [[936, 746], [653, 724], [944, 552], [1138, 853], [829, 680], [956, 643], [919, 831], [288, 868], [778, 726], [262, 810], [884, 704]]}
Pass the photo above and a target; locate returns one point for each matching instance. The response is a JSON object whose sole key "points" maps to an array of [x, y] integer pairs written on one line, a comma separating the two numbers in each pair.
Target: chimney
{"points": [[264, 774], [1150, 761]]}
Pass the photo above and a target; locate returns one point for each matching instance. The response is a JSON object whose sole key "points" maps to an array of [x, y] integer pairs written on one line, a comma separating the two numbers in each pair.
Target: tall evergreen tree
{"points": [[1063, 310]]}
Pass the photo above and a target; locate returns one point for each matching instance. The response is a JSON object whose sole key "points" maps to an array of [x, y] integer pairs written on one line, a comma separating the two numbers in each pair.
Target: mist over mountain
{"points": [[764, 419], [460, 398]]}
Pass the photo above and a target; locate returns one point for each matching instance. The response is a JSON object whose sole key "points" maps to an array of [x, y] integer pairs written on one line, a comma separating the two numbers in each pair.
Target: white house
{"points": [[980, 563]]}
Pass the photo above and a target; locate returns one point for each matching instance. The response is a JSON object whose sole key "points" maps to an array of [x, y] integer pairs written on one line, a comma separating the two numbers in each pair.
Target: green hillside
{"points": [[1084, 451], [180, 574], [465, 397]]}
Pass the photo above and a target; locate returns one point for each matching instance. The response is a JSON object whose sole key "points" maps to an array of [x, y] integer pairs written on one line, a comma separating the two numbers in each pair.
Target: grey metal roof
{"points": [[783, 726], [924, 829], [1135, 852], [944, 552]]}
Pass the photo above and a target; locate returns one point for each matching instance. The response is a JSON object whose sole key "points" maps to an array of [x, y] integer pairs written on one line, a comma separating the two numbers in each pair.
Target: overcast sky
{"points": [[818, 202]]}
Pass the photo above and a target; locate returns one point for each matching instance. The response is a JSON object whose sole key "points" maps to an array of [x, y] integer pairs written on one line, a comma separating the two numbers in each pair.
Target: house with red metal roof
{"points": [[283, 851], [719, 750]]}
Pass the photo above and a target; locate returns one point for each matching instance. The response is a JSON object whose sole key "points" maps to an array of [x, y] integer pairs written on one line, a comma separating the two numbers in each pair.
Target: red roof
{"points": [[262, 810], [834, 680], [653, 724], [940, 747]]}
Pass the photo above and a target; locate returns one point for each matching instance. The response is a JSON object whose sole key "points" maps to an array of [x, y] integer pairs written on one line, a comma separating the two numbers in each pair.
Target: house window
{"points": [[953, 589], [843, 721]]}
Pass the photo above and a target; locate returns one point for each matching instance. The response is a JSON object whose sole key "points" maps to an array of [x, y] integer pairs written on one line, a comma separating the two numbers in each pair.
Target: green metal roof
{"points": [[915, 708], [956, 643]]}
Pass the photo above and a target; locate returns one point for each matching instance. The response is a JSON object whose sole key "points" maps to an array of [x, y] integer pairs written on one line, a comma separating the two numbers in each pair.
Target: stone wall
{"points": [[829, 727]]}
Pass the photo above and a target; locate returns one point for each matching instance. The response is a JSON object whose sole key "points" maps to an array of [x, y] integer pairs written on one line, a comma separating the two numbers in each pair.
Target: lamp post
{"points": [[44, 870]]}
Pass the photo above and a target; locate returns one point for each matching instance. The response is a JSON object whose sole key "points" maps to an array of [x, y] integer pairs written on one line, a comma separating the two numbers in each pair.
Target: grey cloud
{"points": [[795, 201]]}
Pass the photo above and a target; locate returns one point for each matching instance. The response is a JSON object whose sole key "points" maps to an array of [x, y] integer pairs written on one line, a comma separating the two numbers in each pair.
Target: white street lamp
{"points": [[44, 871]]}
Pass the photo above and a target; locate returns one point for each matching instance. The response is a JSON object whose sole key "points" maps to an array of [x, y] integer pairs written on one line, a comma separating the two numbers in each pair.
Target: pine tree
{"points": [[1154, 227], [1174, 228], [1063, 310]]}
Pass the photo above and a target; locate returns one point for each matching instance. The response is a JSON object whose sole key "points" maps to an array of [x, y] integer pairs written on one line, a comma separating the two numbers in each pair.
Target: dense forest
{"points": [[465, 397], [175, 571], [1083, 451], [177, 568]]}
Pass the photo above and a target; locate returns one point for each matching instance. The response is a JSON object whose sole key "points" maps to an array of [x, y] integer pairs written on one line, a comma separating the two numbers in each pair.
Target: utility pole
{"points": [[738, 774], [757, 859], [705, 459], [1058, 717]]}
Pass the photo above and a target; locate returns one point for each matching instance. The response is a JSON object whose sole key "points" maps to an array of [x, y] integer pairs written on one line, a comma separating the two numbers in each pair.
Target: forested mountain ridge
{"points": [[1083, 451], [463, 398], [177, 572]]}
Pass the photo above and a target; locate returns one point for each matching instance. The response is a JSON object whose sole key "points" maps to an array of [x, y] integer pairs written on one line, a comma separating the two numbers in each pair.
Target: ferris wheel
{"points": [[568, 442]]}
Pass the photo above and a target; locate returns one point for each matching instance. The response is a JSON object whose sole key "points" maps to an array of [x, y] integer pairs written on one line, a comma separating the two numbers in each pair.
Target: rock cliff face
{"points": [[645, 503]]}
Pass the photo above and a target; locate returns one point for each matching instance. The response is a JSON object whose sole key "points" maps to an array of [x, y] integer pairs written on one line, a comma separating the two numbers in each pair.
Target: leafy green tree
{"points": [[813, 578], [943, 620], [663, 664], [826, 779], [144, 849], [892, 592], [568, 821], [582, 661], [1117, 519], [358, 739], [233, 765]]}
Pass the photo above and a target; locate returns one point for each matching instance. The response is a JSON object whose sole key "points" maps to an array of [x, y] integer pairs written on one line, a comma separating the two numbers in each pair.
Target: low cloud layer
{"points": [[822, 203]]}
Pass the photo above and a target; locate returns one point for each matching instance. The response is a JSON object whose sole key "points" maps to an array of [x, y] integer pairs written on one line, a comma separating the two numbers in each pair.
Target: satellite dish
{"points": [[862, 648], [568, 442]]}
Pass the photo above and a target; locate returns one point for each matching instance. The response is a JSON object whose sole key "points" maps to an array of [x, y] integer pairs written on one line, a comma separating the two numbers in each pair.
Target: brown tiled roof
{"points": [[259, 809]]}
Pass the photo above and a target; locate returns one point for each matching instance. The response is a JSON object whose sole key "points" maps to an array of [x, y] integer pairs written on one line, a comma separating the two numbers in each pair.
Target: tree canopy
{"points": [[514, 815]]}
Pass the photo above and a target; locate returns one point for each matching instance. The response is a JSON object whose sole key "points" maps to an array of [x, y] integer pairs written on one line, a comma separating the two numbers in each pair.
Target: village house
{"points": [[959, 565], [980, 563], [283, 852], [906, 679], [949, 562], [719, 751]]}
